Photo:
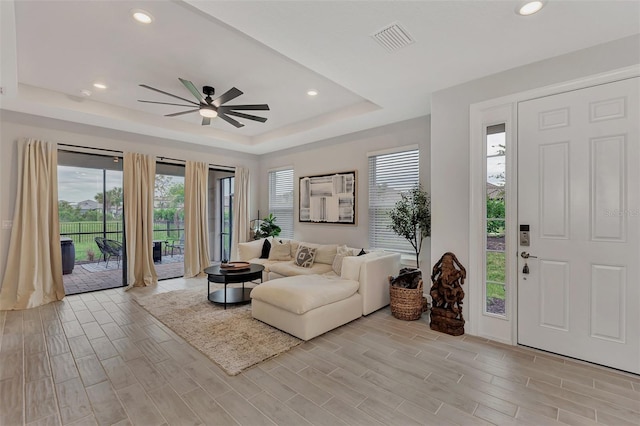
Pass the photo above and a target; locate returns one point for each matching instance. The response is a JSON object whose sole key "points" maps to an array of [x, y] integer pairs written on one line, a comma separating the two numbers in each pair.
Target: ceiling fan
{"points": [[210, 108]]}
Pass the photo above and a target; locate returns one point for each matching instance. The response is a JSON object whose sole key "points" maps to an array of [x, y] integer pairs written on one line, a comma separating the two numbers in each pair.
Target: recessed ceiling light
{"points": [[85, 92], [142, 16], [100, 86], [530, 8], [312, 92]]}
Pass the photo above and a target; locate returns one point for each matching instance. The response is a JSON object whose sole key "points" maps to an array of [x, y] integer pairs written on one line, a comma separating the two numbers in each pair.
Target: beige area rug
{"points": [[231, 338]]}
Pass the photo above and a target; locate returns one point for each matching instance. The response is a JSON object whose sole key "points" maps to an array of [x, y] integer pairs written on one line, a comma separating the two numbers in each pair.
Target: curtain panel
{"points": [[139, 185], [241, 219], [33, 276], [196, 229]]}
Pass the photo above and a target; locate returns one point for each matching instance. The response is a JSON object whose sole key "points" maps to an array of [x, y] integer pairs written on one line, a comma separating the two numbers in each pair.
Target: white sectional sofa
{"points": [[307, 302]]}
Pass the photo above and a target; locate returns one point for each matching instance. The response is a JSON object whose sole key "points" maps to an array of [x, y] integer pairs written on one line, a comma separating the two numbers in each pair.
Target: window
{"points": [[389, 175], [281, 200], [495, 258]]}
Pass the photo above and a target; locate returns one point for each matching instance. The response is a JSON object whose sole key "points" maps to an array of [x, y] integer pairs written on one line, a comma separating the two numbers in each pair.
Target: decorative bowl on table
{"points": [[234, 266]]}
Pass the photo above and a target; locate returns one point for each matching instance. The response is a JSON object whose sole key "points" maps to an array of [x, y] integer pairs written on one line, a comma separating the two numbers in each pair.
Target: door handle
{"points": [[526, 255]]}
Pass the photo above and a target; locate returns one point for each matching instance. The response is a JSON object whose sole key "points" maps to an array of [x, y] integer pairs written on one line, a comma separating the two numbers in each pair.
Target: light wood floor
{"points": [[101, 359]]}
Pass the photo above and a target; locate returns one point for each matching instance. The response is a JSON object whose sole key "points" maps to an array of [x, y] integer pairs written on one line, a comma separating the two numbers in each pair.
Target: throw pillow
{"points": [[280, 251], [325, 253], [341, 253], [305, 256], [249, 250], [266, 248]]}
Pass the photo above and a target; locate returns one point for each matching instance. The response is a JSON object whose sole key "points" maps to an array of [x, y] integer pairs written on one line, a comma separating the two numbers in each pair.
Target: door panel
{"points": [[554, 190], [578, 189]]}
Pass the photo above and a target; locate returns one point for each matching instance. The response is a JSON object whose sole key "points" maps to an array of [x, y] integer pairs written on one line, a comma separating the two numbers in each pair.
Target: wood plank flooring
{"points": [[100, 358]]}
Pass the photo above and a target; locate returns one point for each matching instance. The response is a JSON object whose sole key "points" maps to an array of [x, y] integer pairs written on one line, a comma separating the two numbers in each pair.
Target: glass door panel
{"points": [[495, 220], [168, 221], [91, 221]]}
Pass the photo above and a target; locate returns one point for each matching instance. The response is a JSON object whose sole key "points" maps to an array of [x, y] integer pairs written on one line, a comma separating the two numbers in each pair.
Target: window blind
{"points": [[281, 200], [389, 175]]}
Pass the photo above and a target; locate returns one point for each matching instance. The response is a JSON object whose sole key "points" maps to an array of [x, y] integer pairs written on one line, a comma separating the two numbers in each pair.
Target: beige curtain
{"points": [[196, 230], [33, 276], [139, 184], [240, 232]]}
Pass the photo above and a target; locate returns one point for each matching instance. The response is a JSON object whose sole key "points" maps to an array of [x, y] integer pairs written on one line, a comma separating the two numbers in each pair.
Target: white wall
{"points": [[14, 126], [346, 153], [450, 131]]}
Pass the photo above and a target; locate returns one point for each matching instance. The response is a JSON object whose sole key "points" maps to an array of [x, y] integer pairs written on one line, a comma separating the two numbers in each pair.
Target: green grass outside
{"points": [[85, 242], [495, 291], [496, 266]]}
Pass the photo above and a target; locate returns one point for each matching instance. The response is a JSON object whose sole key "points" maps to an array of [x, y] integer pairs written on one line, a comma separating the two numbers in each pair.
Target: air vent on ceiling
{"points": [[393, 37]]}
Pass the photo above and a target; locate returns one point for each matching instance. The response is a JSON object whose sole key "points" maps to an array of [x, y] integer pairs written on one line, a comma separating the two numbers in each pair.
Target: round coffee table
{"points": [[232, 295]]}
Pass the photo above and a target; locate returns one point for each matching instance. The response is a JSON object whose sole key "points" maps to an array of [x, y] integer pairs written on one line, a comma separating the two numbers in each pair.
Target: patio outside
{"points": [[92, 276], [92, 224]]}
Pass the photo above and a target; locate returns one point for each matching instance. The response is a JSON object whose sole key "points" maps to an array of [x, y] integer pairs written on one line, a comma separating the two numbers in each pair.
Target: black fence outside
{"points": [[84, 234]]}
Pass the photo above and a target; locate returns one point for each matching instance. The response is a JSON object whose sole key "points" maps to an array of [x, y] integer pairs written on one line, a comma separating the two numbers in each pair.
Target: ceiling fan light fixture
{"points": [[529, 8], [142, 16], [208, 112]]}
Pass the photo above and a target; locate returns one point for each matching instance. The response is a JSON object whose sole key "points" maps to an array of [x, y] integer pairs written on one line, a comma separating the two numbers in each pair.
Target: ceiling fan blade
{"points": [[183, 112], [260, 107], [206, 121], [227, 96], [168, 94], [163, 103], [230, 120], [189, 85], [247, 116]]}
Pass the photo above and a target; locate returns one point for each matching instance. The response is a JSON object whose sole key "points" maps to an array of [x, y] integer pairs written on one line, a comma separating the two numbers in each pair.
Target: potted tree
{"points": [[268, 228], [411, 219]]}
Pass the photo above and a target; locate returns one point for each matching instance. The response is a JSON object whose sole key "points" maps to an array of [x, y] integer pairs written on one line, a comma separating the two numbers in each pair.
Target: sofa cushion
{"points": [[250, 249], [305, 256], [324, 252], [351, 265], [290, 268], [280, 250], [294, 247], [302, 294], [264, 262]]}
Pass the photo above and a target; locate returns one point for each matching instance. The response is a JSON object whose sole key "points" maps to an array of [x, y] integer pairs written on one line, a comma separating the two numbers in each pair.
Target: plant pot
{"points": [[406, 303]]}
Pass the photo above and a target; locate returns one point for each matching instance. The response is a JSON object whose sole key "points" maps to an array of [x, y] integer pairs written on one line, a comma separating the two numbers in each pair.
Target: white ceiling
{"points": [[274, 52]]}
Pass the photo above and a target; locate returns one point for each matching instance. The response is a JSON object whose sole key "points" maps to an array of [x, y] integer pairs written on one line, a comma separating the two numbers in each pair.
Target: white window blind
{"points": [[389, 175], [281, 200]]}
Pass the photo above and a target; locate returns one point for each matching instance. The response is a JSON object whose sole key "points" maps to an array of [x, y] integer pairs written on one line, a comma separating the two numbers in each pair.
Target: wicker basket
{"points": [[406, 303]]}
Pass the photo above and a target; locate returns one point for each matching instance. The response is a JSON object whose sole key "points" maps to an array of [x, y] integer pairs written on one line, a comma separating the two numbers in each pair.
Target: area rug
{"points": [[231, 338]]}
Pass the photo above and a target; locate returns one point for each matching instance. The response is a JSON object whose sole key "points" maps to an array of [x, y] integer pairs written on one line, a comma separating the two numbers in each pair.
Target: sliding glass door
{"points": [[90, 208], [220, 214], [226, 216], [168, 221]]}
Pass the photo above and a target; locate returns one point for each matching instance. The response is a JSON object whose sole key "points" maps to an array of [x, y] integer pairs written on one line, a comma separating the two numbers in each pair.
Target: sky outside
{"points": [[495, 165], [77, 184]]}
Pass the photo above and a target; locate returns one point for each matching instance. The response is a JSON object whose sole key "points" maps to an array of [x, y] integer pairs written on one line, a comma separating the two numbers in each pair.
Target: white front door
{"points": [[579, 191]]}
